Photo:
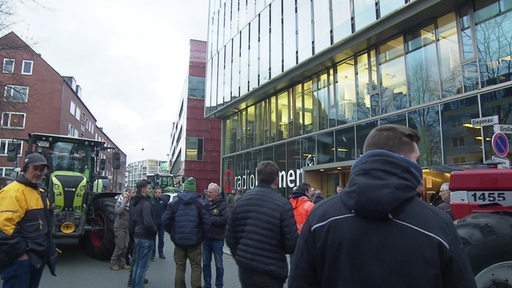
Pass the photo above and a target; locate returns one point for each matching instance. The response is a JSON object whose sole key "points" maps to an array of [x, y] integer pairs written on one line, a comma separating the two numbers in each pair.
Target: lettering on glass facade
{"points": [[248, 179]]}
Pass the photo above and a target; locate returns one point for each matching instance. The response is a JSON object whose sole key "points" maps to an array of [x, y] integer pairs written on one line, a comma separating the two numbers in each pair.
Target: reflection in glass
{"points": [[346, 92], [310, 115], [322, 26], [362, 131], [320, 90], [364, 13], [307, 148], [449, 62], [325, 148], [259, 130], [276, 42], [298, 124], [470, 76], [461, 142], [387, 6], [341, 18], [250, 128], [304, 41], [495, 49], [363, 87], [344, 144], [496, 103], [280, 160], [426, 122], [398, 119], [393, 86], [283, 115], [293, 155]]}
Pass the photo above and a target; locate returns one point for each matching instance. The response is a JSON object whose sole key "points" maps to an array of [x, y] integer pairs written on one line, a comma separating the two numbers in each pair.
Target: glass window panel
{"points": [[485, 10], [250, 127], [495, 49], [363, 87], [426, 122], [221, 73], [283, 115], [388, 6], [259, 130], [297, 114], [468, 51], [254, 54], [307, 148], [470, 76], [496, 103], [235, 70], [228, 180], [289, 35], [244, 61], [8, 66], [399, 119], [264, 59], [227, 72], [227, 20], [332, 111], [322, 25], [304, 40], [422, 69], [345, 145], [325, 145], [209, 102], [293, 157], [346, 92], [461, 142], [273, 119], [362, 131], [341, 18], [310, 113], [449, 61], [27, 67], [268, 153], [393, 83], [280, 160], [276, 42], [364, 13], [321, 94]]}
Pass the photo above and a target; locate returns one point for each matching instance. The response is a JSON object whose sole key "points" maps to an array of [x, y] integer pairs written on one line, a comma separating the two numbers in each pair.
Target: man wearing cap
{"points": [[26, 242], [187, 221]]}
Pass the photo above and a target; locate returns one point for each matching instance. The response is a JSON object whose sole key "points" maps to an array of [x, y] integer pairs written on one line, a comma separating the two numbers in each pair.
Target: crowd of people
{"points": [[373, 232]]}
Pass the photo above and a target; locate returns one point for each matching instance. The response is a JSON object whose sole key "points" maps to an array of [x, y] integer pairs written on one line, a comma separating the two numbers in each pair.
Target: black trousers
{"points": [[255, 279]]}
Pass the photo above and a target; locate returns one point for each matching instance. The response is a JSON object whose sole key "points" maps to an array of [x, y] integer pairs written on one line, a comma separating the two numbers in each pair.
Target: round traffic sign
{"points": [[500, 144]]}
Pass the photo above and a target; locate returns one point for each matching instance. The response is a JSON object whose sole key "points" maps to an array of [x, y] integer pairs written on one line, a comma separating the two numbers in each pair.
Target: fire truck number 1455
{"points": [[488, 197]]}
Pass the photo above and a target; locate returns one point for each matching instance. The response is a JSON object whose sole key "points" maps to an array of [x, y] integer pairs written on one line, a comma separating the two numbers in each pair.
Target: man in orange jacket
{"points": [[302, 205]]}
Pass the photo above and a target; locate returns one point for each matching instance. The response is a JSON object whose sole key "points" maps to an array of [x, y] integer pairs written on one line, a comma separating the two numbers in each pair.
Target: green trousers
{"points": [[180, 258]]}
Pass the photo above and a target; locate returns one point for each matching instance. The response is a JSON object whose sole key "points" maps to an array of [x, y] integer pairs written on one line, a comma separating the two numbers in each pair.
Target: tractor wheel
{"points": [[487, 239], [99, 242]]}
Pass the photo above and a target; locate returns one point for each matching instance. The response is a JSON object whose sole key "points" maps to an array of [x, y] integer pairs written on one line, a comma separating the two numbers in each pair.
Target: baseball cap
{"points": [[34, 159]]}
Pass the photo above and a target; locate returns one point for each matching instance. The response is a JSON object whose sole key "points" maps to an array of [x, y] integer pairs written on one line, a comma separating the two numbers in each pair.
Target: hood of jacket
{"points": [[188, 197], [297, 193], [137, 198], [380, 182]]}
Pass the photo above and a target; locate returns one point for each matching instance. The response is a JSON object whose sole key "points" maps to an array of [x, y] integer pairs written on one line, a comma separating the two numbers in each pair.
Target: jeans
{"points": [[161, 234], [213, 246], [143, 248], [180, 258], [21, 274]]}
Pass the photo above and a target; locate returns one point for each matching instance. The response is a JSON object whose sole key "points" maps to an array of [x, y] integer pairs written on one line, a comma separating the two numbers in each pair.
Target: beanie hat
{"points": [[34, 159], [190, 184]]}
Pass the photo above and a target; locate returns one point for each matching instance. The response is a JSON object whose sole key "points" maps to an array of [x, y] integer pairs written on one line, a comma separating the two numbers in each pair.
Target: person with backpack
{"points": [[187, 221]]}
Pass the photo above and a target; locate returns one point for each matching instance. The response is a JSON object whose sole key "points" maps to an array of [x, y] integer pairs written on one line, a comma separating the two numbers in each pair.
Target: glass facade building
{"points": [[302, 82]]}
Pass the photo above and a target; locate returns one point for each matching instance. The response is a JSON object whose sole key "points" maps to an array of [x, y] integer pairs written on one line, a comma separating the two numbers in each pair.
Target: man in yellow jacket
{"points": [[26, 243]]}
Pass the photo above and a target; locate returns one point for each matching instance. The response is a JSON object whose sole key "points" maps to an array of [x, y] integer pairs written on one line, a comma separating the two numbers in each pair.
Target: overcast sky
{"points": [[130, 58]]}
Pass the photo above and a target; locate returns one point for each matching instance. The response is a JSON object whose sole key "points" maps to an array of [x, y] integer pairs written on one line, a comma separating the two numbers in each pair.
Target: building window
{"points": [[74, 110], [194, 148], [72, 131], [26, 68], [15, 93], [8, 66], [6, 143], [13, 120]]}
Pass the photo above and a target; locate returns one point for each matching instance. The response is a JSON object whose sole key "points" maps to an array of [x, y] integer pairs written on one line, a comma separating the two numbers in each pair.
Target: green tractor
{"points": [[82, 211]]}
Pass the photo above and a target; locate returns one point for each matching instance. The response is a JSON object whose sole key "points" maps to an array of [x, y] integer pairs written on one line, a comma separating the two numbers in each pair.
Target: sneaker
{"points": [[125, 267], [162, 257], [114, 267]]}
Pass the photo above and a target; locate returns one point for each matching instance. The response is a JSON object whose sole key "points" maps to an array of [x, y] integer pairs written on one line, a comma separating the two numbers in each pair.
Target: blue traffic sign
{"points": [[500, 144]]}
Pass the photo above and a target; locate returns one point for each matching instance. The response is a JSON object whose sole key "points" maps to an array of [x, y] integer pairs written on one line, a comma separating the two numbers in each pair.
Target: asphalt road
{"points": [[76, 269]]}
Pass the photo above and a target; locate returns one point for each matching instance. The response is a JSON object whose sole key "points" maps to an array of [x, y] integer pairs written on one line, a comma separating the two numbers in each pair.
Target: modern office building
{"points": [[195, 140], [303, 82], [139, 170]]}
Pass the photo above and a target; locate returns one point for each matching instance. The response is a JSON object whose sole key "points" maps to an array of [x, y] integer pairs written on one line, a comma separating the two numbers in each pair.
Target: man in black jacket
{"points": [[261, 231], [214, 242], [378, 232], [144, 232]]}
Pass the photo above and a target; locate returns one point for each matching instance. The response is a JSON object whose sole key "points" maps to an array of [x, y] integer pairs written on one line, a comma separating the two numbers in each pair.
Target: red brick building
{"points": [[36, 98], [195, 140]]}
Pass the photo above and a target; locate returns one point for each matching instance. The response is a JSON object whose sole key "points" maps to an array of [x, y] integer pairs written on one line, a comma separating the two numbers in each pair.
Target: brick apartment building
{"points": [[38, 99]]}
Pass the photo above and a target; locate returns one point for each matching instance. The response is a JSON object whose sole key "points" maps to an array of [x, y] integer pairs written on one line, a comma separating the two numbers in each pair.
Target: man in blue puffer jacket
{"points": [[187, 221]]}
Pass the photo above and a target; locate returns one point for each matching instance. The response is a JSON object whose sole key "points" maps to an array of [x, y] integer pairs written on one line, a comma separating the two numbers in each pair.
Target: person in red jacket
{"points": [[302, 205]]}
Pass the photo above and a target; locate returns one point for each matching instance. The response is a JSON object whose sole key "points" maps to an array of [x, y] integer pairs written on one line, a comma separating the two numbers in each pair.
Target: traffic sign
{"points": [[484, 121], [500, 144], [503, 128]]}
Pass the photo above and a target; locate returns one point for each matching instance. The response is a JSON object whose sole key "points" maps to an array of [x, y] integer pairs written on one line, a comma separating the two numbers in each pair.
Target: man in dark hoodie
{"points": [[144, 232], [378, 232], [187, 221], [26, 242]]}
